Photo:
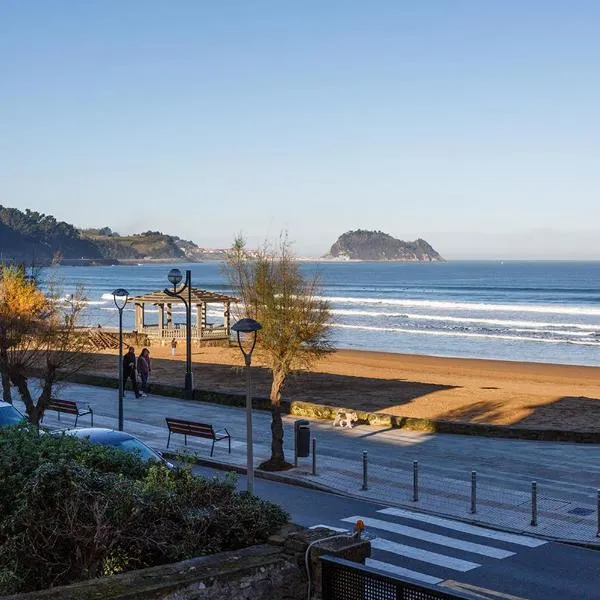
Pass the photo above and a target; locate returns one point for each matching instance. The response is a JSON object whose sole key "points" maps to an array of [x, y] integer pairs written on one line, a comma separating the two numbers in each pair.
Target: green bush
{"points": [[72, 511]]}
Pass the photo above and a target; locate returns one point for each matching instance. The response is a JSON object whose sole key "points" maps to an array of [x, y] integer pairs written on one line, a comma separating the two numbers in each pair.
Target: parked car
{"points": [[118, 439], [9, 415]]}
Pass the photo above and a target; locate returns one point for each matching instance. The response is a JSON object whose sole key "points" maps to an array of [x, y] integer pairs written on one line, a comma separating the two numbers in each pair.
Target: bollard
{"points": [[598, 528], [314, 455], [295, 448], [473, 492], [533, 504], [415, 481], [365, 485]]}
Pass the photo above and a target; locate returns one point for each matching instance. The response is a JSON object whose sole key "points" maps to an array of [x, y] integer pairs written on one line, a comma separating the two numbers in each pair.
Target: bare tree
{"points": [[295, 320], [38, 336]]}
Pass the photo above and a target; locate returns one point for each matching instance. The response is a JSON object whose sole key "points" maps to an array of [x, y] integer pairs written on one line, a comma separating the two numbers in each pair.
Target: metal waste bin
{"points": [[302, 431]]}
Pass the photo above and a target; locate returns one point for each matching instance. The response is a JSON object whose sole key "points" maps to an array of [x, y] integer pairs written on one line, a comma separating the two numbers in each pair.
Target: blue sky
{"points": [[473, 124]]}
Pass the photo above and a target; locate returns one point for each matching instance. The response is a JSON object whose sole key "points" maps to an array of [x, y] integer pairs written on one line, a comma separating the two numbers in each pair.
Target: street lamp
{"points": [[120, 297], [248, 327], [175, 278]]}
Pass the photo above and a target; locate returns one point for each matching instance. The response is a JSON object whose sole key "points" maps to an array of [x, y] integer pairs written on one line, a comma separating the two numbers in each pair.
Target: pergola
{"points": [[167, 329]]}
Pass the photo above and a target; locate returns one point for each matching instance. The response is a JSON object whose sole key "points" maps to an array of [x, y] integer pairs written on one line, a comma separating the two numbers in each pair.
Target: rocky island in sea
{"points": [[376, 245]]}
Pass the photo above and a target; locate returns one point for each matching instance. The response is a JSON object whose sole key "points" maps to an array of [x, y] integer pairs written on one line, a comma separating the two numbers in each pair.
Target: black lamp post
{"points": [[249, 327], [120, 297], [175, 278]]}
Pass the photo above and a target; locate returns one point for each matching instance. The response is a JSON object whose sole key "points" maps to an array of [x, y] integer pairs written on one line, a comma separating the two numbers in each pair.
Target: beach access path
{"points": [[567, 474]]}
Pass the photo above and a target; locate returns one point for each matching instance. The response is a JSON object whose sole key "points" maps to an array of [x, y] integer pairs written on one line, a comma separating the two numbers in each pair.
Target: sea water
{"points": [[531, 311]]}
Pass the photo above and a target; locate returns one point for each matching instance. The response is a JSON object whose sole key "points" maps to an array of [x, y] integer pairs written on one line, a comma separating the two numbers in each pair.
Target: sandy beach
{"points": [[529, 395]]}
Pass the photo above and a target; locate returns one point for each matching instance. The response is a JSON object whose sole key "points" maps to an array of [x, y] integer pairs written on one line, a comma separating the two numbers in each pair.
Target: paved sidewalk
{"points": [[567, 475]]}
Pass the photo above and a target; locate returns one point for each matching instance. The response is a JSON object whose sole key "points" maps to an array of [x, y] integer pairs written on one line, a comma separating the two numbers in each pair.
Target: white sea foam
{"points": [[468, 334], [453, 319], [472, 306]]}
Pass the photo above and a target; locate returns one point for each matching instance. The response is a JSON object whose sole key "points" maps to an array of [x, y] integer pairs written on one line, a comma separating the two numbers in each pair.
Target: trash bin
{"points": [[302, 430]]}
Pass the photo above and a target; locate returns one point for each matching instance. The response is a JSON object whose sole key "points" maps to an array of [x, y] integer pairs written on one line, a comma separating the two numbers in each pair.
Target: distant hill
{"points": [[376, 245], [34, 237]]}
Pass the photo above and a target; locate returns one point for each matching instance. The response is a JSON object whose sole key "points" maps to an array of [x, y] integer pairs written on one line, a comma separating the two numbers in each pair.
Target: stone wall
{"points": [[273, 571]]}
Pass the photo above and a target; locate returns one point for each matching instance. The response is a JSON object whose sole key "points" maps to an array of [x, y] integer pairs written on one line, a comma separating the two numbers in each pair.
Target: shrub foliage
{"points": [[73, 511]]}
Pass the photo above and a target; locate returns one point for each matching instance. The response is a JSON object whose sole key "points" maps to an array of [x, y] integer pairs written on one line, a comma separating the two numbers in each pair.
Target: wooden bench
{"points": [[71, 407], [203, 430]]}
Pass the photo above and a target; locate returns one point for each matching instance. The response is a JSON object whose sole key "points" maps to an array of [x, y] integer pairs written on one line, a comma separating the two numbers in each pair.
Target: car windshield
{"points": [[135, 446], [9, 415]]}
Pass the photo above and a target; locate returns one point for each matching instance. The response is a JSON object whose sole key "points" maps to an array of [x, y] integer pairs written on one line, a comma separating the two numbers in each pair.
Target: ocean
{"points": [[545, 312]]}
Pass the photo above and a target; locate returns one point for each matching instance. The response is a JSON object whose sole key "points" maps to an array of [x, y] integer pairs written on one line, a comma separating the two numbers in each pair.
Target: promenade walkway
{"points": [[567, 475]]}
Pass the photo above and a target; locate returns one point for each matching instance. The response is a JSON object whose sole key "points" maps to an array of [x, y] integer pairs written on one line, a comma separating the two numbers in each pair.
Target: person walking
{"points": [[129, 371], [144, 368], [173, 346]]}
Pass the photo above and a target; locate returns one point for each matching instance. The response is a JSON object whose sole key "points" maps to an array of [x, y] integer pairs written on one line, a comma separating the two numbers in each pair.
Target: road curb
{"points": [[279, 477]]}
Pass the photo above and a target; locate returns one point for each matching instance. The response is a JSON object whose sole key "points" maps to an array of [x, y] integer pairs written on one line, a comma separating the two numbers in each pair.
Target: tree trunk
{"points": [[46, 395], [20, 382], [35, 410], [6, 396], [277, 461], [5, 378]]}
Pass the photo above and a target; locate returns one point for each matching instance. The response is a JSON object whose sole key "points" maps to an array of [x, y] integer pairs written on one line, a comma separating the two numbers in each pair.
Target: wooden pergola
{"points": [[167, 329]]}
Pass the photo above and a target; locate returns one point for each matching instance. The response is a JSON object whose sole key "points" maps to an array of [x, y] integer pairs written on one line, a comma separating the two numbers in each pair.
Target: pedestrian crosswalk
{"points": [[432, 549]]}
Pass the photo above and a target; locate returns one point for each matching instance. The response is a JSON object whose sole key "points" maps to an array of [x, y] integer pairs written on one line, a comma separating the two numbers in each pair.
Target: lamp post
{"points": [[249, 327], [175, 278], [120, 297]]}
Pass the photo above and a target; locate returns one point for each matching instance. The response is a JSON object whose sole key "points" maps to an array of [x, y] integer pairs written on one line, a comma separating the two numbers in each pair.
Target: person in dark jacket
{"points": [[144, 368], [129, 363]]}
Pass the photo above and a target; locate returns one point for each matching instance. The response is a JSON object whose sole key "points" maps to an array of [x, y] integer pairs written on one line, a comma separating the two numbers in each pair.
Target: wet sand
{"points": [[476, 391]]}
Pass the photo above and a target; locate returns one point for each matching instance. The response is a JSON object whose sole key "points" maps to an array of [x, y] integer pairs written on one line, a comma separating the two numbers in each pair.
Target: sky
{"points": [[473, 124]]}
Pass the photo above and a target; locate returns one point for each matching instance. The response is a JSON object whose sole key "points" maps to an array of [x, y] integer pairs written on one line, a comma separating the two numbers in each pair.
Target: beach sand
{"points": [[529, 395]]}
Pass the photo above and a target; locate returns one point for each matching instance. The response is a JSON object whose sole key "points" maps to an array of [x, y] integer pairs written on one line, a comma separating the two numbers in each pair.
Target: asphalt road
{"points": [[440, 551]]}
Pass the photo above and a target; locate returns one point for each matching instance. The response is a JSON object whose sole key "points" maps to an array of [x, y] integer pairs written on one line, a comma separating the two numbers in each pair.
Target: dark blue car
{"points": [[118, 439], [9, 415]]}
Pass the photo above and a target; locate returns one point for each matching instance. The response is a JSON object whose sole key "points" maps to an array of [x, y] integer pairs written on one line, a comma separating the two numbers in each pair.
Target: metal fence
{"points": [[345, 580]]}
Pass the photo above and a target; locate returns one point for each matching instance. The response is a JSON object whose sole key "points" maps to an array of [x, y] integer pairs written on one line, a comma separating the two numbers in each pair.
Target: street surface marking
{"points": [[502, 536], [433, 538], [441, 560], [401, 571]]}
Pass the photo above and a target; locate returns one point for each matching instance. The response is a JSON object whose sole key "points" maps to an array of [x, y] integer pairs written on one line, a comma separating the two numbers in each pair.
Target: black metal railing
{"points": [[346, 580]]}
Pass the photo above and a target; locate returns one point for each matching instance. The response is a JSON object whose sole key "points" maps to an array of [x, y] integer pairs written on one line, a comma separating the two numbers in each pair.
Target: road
{"points": [[440, 551]]}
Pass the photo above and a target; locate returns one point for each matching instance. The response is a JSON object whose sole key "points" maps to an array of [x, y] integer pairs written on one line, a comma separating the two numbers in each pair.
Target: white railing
{"points": [[178, 333]]}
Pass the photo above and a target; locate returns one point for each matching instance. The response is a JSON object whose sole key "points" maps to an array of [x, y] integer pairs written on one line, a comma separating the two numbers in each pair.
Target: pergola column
{"points": [[169, 315], [139, 316], [161, 316], [227, 318]]}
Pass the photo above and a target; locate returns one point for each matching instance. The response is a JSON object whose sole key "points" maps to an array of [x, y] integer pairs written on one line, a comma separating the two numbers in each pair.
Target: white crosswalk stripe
{"points": [[440, 560], [402, 572], [434, 538], [405, 539], [520, 540]]}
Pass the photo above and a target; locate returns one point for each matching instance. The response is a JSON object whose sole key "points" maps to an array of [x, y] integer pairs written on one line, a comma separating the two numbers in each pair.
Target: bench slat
{"points": [[70, 407], [193, 428], [67, 406]]}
